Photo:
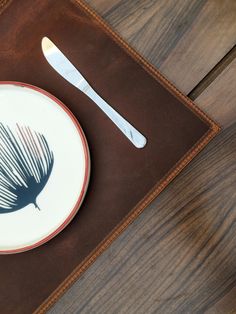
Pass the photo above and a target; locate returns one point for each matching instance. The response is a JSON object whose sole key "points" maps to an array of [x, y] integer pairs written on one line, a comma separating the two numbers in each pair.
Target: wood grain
{"points": [[225, 305], [180, 255], [185, 39], [219, 98], [213, 74]]}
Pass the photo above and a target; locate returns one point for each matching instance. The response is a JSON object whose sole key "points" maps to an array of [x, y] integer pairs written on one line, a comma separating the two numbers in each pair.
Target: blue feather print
{"points": [[26, 163]]}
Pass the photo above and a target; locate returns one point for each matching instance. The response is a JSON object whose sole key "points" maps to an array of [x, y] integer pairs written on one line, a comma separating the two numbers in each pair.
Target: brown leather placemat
{"points": [[124, 180]]}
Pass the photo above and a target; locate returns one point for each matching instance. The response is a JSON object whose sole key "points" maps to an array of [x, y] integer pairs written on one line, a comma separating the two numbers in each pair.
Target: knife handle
{"points": [[126, 128]]}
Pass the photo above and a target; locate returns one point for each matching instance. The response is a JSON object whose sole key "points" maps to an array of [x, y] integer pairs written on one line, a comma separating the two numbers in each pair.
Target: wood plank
{"points": [[219, 98], [185, 39], [179, 256], [225, 305]]}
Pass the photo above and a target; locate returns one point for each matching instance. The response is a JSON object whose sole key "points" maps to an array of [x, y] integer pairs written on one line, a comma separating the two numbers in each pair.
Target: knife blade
{"points": [[61, 64]]}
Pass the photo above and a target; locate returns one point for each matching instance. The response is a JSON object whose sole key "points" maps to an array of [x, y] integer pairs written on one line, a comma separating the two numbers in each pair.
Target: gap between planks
{"points": [[213, 74]]}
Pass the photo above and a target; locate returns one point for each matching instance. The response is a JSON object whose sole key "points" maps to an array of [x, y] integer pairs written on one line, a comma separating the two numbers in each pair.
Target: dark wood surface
{"points": [[184, 39], [179, 256], [219, 98]]}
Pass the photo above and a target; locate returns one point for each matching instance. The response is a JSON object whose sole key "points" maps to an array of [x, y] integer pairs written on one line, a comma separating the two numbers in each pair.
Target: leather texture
{"points": [[123, 179]]}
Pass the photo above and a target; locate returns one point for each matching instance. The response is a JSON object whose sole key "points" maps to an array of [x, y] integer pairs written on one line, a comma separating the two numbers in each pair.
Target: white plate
{"points": [[44, 167]]}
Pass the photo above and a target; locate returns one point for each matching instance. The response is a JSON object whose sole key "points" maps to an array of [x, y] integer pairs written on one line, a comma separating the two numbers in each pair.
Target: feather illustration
{"points": [[26, 163]]}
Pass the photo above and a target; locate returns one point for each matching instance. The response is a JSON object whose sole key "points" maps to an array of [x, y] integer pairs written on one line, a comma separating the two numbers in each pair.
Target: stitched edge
{"points": [[148, 67], [127, 220], [175, 170]]}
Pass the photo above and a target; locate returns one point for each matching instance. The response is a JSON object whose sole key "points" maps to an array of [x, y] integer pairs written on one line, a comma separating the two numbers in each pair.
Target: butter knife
{"points": [[66, 69]]}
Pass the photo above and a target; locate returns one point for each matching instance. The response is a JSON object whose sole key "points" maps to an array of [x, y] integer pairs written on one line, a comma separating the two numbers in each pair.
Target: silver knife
{"points": [[67, 70]]}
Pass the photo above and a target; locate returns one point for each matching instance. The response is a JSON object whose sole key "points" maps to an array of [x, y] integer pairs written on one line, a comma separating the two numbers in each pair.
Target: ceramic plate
{"points": [[44, 167]]}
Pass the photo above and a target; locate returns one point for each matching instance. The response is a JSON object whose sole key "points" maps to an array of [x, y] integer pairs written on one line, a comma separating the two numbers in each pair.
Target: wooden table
{"points": [[179, 256]]}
